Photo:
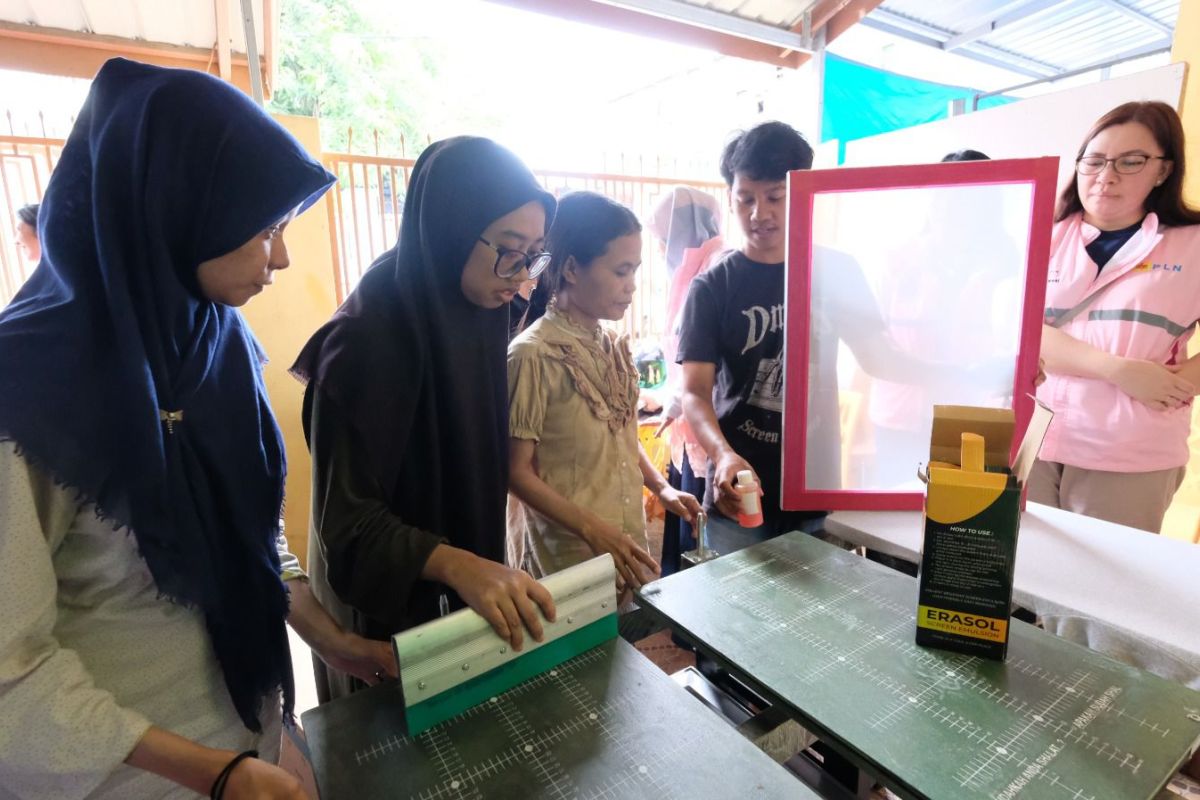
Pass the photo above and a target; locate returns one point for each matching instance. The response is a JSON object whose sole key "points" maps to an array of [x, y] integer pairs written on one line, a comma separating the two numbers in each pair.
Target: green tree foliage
{"points": [[340, 61]]}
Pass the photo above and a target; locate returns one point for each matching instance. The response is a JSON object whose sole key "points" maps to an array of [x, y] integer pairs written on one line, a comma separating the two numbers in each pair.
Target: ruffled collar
{"points": [[599, 363]]}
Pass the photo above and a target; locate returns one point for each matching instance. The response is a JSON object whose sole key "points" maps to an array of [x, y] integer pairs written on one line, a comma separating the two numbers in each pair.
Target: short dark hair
{"points": [[28, 214], [1166, 200], [966, 155], [766, 152]]}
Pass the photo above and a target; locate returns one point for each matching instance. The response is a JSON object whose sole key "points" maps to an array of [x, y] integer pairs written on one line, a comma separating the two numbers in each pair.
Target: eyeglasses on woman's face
{"points": [[1129, 164], [509, 262]]}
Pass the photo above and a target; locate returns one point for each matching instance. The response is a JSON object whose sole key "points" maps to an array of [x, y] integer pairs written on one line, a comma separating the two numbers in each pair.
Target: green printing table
{"points": [[606, 724], [829, 636]]}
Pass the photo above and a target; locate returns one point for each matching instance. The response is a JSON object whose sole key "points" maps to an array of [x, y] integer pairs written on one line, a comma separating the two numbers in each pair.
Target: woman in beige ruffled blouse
{"points": [[576, 467]]}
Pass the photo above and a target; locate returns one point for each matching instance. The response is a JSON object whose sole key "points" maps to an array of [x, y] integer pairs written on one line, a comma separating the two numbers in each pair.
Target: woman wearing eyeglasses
{"points": [[1122, 300], [576, 468], [406, 409]]}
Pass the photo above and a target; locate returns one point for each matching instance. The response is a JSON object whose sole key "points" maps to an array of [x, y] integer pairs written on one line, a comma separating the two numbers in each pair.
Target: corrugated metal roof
{"points": [[189, 23], [780, 13], [1036, 38], [1040, 38]]}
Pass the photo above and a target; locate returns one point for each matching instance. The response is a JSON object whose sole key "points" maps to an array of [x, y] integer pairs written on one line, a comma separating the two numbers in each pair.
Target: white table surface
{"points": [[1129, 594]]}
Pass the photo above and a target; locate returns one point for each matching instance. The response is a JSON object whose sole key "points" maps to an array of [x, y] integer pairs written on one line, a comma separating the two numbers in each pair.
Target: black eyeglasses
{"points": [[1125, 165], [509, 263]]}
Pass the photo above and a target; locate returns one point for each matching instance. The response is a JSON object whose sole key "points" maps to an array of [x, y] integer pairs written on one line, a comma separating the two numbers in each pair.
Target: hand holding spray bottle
{"points": [[750, 512]]}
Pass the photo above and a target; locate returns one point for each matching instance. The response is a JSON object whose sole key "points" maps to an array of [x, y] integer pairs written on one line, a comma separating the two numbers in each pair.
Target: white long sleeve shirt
{"points": [[91, 656]]}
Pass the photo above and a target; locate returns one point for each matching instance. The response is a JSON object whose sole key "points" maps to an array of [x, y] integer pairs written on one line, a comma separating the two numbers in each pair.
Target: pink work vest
{"points": [[695, 261], [1148, 313]]}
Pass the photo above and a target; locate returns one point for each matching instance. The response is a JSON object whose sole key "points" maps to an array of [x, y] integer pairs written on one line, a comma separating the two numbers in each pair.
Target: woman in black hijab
{"points": [[406, 408]]}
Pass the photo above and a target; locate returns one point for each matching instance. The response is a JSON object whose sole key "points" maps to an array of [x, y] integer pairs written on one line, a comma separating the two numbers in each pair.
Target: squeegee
{"points": [[454, 663]]}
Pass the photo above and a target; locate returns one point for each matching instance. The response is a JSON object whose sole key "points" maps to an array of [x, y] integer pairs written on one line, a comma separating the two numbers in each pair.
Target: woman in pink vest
{"points": [[1122, 301]]}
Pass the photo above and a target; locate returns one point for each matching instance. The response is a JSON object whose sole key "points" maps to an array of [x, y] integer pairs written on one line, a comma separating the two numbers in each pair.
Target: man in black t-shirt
{"points": [[731, 344], [731, 339]]}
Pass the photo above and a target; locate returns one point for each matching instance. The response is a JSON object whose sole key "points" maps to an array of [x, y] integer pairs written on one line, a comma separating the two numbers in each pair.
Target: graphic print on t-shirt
{"points": [[767, 390]]}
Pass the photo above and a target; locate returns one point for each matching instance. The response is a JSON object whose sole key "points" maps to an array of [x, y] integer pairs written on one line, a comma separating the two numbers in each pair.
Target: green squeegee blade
{"points": [[452, 702]]}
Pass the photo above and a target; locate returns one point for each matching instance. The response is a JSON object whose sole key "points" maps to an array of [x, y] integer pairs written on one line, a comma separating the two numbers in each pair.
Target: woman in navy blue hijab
{"points": [[141, 470]]}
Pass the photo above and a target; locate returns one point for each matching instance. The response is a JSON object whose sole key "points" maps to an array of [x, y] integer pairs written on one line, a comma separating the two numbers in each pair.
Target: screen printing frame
{"points": [[803, 188]]}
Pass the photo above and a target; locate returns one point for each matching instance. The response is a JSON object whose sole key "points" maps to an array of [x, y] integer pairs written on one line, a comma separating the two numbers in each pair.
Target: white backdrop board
{"points": [[1048, 125]]}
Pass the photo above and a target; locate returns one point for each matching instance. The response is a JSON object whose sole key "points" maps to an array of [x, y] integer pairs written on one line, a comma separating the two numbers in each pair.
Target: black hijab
{"points": [[418, 370]]}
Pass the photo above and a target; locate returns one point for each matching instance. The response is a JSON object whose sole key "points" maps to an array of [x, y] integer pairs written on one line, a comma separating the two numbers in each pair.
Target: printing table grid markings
{"points": [[388, 745], [871, 640], [913, 699], [1039, 716], [468, 778], [459, 781], [644, 767], [1003, 748], [550, 771], [864, 589], [1152, 727], [448, 791], [780, 576], [449, 762], [532, 749], [773, 621], [1039, 773], [646, 770]]}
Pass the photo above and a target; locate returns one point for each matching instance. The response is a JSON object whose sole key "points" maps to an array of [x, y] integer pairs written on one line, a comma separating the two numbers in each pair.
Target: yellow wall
{"points": [[1186, 49], [283, 317], [1183, 518]]}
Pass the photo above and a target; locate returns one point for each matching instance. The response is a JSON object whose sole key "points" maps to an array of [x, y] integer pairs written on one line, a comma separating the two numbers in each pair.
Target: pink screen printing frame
{"points": [[1040, 173]]}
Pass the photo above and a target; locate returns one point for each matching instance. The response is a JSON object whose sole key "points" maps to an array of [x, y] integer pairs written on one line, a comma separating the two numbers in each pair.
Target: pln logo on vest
{"points": [[1147, 266]]}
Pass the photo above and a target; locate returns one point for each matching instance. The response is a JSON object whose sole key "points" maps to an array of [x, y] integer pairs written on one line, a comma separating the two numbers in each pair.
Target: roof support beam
{"points": [[929, 41], [221, 8], [627, 19], [720, 22], [1161, 46], [256, 87], [269, 10], [1134, 14], [995, 55], [87, 18], [54, 51], [692, 24], [825, 10], [1014, 13], [832, 18]]}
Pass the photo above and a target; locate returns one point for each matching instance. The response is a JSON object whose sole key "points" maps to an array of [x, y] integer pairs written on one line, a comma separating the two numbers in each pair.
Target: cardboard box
{"points": [[972, 519]]}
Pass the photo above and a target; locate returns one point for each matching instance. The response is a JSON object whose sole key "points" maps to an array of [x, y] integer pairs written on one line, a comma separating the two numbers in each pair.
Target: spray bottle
{"points": [[750, 512]]}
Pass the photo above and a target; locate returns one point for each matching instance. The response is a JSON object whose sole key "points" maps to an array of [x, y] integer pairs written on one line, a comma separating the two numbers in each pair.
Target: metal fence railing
{"points": [[25, 166], [364, 215], [365, 210]]}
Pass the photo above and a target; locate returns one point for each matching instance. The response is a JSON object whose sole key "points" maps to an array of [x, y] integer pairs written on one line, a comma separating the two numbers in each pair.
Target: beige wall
{"points": [[283, 317], [1183, 518]]}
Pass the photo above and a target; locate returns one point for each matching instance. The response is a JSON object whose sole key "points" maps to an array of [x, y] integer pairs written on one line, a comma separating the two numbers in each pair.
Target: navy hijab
{"points": [[164, 169], [420, 372]]}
